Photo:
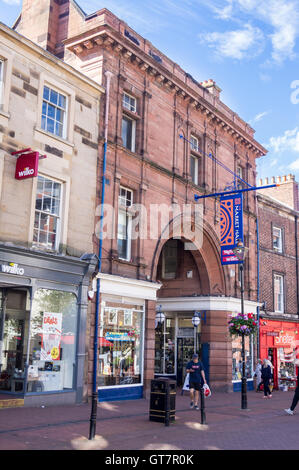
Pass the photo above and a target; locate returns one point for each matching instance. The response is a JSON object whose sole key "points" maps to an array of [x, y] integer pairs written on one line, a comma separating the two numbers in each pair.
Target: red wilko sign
{"points": [[27, 164]]}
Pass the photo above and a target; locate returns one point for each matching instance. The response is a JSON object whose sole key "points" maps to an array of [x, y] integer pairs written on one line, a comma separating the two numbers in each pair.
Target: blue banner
{"points": [[231, 226]]}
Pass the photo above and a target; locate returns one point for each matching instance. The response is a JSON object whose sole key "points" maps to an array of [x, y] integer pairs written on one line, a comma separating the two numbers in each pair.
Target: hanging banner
{"points": [[231, 226], [51, 336]]}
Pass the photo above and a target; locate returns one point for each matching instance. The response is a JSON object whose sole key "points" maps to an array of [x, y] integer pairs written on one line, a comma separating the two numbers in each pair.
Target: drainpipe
{"points": [[93, 417], [258, 279], [297, 266]]}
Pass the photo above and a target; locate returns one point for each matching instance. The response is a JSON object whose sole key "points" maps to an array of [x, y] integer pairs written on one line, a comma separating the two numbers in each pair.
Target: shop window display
{"points": [[52, 341], [120, 344], [287, 375], [237, 358]]}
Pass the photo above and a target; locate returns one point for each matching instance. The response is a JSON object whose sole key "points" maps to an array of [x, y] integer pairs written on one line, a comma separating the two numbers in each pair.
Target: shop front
{"points": [[43, 307], [279, 340], [123, 312], [176, 339]]}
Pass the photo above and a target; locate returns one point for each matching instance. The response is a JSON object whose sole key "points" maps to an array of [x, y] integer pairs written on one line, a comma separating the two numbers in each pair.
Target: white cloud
{"points": [[237, 44], [12, 2], [259, 117], [294, 165], [282, 16], [289, 141]]}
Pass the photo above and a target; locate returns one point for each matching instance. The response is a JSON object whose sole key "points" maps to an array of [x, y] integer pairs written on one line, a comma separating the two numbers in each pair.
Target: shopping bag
{"points": [[186, 383], [207, 391]]}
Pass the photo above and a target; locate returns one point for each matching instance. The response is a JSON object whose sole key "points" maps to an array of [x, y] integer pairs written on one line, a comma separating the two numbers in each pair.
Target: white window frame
{"points": [[128, 313], [123, 209], [65, 111], [239, 171], [277, 300], [194, 177], [58, 217], [132, 148], [112, 321], [131, 103], [194, 143], [278, 249]]}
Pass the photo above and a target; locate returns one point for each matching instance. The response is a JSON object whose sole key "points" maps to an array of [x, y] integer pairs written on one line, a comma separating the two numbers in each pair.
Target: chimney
{"points": [[211, 86], [286, 192], [45, 22]]}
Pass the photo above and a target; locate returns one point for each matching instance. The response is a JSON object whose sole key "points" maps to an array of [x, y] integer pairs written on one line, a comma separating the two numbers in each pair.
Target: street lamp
{"points": [[195, 322], [160, 317], [159, 321], [240, 252]]}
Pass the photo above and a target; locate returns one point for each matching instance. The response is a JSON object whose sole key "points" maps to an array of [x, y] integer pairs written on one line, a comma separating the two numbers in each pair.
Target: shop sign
{"points": [[51, 336], [272, 333], [185, 332], [27, 166], [12, 268], [118, 336], [231, 227], [286, 339], [27, 163]]}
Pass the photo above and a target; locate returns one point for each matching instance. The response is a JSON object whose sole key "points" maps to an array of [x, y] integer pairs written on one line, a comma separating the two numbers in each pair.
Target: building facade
{"points": [[165, 130], [49, 115], [279, 277]]}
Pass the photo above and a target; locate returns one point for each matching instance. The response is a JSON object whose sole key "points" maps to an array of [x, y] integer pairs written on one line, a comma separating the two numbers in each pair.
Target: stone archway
{"points": [[206, 258], [213, 288]]}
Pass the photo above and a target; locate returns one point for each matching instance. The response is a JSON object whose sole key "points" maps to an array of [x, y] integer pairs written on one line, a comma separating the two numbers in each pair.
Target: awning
{"points": [[104, 342]]}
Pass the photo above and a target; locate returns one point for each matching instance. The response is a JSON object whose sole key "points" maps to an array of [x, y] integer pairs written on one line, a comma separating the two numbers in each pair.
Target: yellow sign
{"points": [[55, 353]]}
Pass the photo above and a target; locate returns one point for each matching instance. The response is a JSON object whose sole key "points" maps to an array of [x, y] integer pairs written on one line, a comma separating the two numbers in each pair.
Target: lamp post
{"points": [[240, 252], [160, 317], [159, 321], [195, 322]]}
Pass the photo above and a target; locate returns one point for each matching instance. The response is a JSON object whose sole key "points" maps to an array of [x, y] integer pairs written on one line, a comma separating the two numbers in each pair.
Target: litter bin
{"points": [[162, 400]]}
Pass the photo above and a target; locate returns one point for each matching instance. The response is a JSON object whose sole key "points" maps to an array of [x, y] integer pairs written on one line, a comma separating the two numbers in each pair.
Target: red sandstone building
{"points": [[279, 284], [153, 103]]}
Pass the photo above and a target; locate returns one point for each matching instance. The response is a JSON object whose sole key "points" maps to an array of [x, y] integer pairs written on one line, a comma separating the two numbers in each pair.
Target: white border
{"points": [[125, 287], [229, 304]]}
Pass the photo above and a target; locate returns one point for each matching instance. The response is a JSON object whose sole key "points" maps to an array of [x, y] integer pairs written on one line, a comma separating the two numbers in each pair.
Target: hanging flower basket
{"points": [[243, 323], [134, 333]]}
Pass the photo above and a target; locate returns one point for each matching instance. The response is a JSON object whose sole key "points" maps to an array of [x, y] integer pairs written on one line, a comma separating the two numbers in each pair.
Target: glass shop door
{"points": [[185, 350], [14, 327]]}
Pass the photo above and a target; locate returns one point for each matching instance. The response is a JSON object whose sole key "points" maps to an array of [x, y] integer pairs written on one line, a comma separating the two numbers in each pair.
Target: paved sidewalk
{"points": [[125, 426]]}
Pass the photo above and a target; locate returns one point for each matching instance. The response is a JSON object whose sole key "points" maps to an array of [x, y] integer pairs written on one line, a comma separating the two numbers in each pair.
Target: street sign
{"points": [[231, 227]]}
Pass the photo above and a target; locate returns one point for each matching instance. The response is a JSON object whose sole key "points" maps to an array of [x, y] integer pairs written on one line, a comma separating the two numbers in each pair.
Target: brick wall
{"points": [[272, 214]]}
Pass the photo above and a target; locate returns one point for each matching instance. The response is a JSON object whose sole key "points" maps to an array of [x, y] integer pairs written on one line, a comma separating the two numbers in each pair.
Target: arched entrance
{"points": [[189, 275]]}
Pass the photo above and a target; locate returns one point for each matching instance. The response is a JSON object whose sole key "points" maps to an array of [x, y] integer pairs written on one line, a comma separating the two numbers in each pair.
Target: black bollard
{"points": [[167, 405], [202, 406]]}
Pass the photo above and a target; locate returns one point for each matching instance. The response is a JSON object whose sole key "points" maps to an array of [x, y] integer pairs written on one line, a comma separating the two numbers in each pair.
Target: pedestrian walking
{"points": [[266, 377], [271, 384], [258, 375], [290, 410], [196, 381]]}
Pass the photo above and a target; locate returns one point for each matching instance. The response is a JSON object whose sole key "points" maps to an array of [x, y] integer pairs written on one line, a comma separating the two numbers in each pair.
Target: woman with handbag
{"points": [[266, 377], [258, 375]]}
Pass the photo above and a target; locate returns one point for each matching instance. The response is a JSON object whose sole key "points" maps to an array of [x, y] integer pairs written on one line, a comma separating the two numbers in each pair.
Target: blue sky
{"points": [[249, 47]]}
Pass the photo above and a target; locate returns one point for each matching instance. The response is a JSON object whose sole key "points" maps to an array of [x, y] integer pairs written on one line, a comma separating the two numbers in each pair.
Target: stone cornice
{"points": [[196, 96]]}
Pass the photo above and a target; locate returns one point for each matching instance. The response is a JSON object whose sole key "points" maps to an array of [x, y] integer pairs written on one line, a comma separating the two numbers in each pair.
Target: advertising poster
{"points": [[231, 226], [51, 336]]}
